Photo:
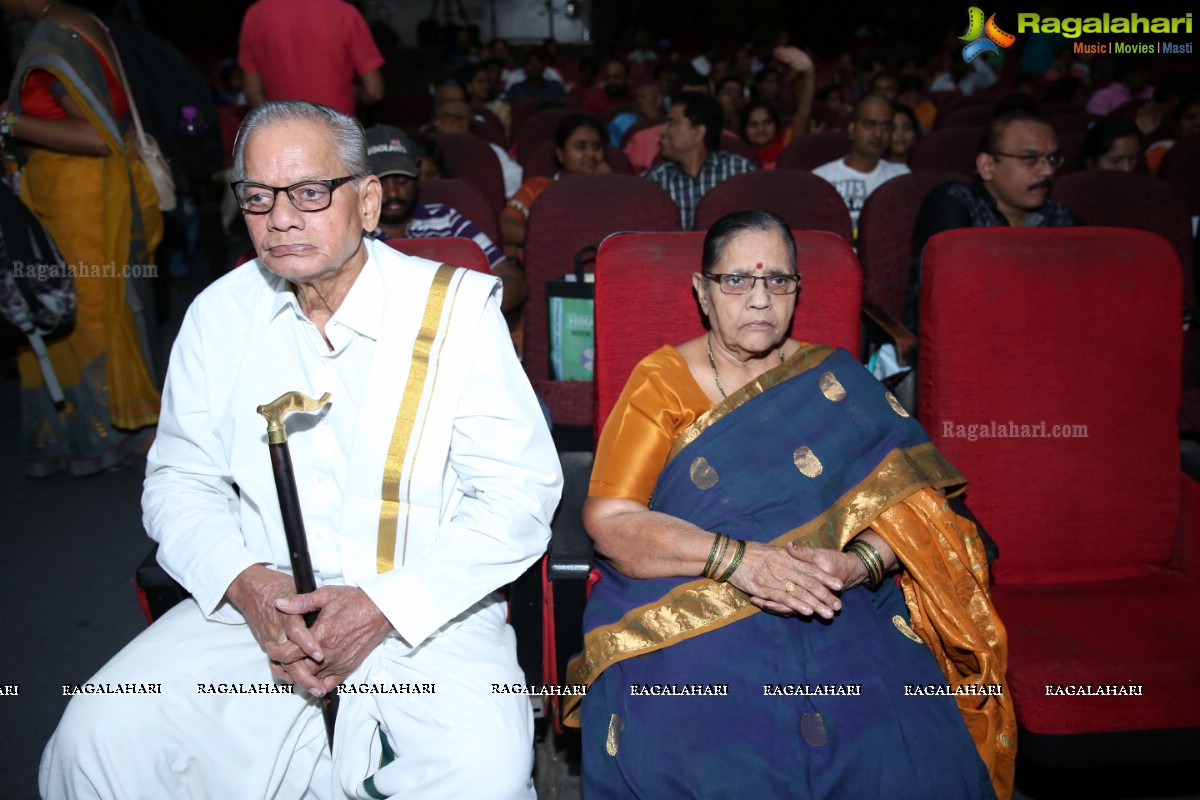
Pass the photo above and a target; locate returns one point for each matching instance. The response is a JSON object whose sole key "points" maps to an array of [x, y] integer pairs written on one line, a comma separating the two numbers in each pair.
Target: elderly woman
{"points": [[750, 498]]}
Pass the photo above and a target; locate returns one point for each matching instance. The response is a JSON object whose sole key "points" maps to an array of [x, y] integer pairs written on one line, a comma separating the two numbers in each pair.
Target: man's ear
{"points": [[985, 165], [370, 201]]}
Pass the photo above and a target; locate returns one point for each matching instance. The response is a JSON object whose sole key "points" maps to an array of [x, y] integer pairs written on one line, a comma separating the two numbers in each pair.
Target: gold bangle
{"points": [[871, 560], [712, 554], [720, 557], [735, 563]]}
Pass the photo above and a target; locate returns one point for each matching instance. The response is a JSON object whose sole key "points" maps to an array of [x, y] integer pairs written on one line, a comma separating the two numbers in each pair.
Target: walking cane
{"points": [[293, 522]]}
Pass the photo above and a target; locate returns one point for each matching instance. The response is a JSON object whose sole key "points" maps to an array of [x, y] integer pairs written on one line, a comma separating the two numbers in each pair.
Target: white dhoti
{"points": [[189, 742]]}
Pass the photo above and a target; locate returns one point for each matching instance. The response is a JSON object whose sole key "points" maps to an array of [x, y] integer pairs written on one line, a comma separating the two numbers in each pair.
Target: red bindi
{"points": [[758, 265]]}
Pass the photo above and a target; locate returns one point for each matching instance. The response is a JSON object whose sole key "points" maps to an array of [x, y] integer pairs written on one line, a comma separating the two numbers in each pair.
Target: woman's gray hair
{"points": [[738, 222], [350, 139]]}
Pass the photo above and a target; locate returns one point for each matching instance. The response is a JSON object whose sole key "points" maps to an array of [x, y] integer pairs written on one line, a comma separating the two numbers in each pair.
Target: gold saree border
{"points": [[406, 418], [807, 357], [703, 605]]}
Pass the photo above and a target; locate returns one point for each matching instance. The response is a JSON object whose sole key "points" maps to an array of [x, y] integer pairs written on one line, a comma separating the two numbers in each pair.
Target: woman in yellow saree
{"points": [[82, 177]]}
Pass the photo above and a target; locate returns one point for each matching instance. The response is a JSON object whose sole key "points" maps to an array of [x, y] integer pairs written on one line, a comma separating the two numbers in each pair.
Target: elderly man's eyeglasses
{"points": [[1031, 160], [739, 283], [307, 196]]}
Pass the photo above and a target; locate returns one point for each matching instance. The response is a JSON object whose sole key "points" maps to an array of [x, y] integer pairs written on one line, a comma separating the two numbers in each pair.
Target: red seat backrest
{"points": [[470, 158], [811, 150], [949, 150], [1181, 168], [574, 212], [973, 116], [467, 200], [538, 129], [806, 202], [644, 299], [885, 230], [1013, 326], [459, 252]]}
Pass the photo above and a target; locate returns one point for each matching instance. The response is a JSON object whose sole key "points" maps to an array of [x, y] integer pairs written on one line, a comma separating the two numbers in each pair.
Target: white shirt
{"points": [[469, 530], [514, 173], [854, 186]]}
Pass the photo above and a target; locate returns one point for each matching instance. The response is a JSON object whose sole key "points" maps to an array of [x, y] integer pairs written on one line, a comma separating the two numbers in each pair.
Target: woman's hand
{"points": [[794, 57], [813, 576]]}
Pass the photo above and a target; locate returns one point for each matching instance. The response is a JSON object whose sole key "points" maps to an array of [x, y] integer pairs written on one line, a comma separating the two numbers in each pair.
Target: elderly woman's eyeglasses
{"points": [[307, 196], [739, 283]]}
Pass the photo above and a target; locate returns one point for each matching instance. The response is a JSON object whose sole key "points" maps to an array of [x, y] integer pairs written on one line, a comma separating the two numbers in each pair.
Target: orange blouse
{"points": [[660, 399]]}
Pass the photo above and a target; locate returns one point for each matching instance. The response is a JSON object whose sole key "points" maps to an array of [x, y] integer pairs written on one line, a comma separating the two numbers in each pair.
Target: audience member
{"points": [[402, 215], [731, 94], [864, 170], [579, 149], [431, 161], [1132, 83], [768, 86], [536, 85], [1187, 123], [478, 92], [454, 116], [1111, 143], [906, 130], [1018, 156], [885, 85], [82, 178], [282, 40], [965, 78], [761, 129], [910, 94], [415, 601], [644, 146], [612, 91], [693, 161]]}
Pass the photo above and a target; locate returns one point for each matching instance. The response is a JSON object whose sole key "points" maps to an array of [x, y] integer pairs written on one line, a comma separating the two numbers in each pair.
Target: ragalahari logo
{"points": [[983, 38]]}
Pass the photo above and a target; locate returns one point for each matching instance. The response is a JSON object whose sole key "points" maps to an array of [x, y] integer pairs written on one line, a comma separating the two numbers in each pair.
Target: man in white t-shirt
{"points": [[864, 170]]}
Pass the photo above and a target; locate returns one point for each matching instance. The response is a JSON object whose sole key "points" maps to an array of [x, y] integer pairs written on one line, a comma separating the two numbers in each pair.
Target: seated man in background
{"points": [[693, 159], [454, 116], [865, 169], [1015, 168], [393, 159]]}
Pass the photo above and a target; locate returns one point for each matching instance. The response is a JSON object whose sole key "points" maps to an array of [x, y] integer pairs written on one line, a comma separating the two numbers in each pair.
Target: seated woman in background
{"points": [[1111, 143], [579, 150], [751, 494], [761, 128], [1187, 123], [905, 132]]}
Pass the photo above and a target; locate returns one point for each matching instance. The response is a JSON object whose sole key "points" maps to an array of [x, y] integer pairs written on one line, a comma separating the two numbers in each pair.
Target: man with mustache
{"points": [[402, 215], [865, 169], [1015, 168]]}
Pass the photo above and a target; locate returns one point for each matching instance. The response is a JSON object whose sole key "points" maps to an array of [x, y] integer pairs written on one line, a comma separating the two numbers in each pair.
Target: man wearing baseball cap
{"points": [[393, 157]]}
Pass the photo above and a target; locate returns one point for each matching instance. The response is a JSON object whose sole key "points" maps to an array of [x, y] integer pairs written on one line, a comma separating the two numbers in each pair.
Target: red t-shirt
{"points": [[308, 50]]}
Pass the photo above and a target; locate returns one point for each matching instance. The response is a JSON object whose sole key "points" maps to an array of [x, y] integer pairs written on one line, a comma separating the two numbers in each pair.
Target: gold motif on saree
{"points": [[702, 473], [613, 743], [895, 404], [831, 387], [908, 632], [807, 462]]}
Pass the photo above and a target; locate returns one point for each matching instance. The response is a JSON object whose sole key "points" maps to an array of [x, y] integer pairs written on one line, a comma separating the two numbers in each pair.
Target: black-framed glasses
{"points": [[740, 283], [307, 196], [1031, 160]]}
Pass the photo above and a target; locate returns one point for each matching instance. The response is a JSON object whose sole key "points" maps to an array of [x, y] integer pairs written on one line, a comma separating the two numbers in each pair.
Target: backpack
{"points": [[37, 291]]}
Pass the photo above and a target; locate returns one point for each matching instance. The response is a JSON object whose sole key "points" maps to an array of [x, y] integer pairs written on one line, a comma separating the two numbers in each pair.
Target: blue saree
{"points": [[696, 693]]}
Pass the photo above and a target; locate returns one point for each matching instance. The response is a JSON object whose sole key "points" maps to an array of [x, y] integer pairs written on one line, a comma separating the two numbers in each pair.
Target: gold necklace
{"points": [[713, 363]]}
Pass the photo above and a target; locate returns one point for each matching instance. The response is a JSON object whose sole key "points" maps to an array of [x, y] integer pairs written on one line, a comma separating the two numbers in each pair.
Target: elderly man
{"points": [[426, 486], [1018, 156], [694, 162], [393, 159], [865, 169]]}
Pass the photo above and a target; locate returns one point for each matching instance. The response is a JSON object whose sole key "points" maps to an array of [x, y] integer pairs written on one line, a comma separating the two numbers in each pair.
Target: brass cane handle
{"points": [[276, 410]]}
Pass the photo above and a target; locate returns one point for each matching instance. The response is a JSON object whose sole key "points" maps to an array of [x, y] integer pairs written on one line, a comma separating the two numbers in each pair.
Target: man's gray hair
{"points": [[350, 140]]}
